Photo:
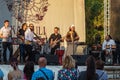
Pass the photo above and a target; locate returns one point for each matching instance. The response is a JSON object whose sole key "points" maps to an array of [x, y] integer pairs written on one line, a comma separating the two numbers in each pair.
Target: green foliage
{"points": [[94, 10]]}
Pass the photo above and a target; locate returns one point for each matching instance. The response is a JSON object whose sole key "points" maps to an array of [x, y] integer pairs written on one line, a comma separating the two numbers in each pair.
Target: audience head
{"points": [[42, 62], [28, 69], [68, 62], [99, 64], [14, 63], [90, 62]]}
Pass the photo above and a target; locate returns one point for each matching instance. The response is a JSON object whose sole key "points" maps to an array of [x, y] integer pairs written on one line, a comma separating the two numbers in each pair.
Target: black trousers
{"points": [[7, 45], [53, 49], [29, 53], [114, 56]]}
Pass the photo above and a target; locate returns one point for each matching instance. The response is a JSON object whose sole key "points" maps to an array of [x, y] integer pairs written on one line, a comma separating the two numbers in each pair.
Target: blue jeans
{"points": [[22, 52]]}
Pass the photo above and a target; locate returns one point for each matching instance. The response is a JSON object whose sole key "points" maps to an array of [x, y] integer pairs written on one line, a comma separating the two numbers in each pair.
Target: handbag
{"points": [[44, 74]]}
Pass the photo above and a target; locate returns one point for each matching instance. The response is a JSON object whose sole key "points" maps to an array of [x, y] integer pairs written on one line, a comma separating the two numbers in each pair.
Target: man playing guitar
{"points": [[54, 40], [20, 35], [29, 38]]}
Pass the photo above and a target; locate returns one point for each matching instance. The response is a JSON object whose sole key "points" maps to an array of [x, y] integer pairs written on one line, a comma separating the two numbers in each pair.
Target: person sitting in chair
{"points": [[108, 48]]}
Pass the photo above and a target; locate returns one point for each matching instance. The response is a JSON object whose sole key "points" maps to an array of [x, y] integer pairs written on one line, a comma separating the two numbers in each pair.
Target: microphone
{"points": [[13, 29]]}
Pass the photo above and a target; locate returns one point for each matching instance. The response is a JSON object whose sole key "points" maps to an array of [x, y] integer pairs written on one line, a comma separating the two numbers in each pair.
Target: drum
{"points": [[43, 39], [113, 46], [36, 47], [94, 47], [60, 53], [107, 46]]}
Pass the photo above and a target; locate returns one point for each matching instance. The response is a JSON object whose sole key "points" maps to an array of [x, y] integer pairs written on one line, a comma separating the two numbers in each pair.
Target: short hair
{"points": [[31, 24], [6, 21], [68, 62], [56, 28], [42, 60], [99, 64]]}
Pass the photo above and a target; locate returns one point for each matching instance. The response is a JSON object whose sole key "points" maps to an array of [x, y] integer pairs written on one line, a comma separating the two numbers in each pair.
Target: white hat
{"points": [[72, 26]]}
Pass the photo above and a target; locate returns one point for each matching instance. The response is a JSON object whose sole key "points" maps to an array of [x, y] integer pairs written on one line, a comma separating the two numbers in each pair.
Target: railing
{"points": [[113, 72]]}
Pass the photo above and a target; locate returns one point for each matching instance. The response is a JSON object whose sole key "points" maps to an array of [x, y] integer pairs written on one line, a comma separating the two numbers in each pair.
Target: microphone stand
{"points": [[72, 37]]}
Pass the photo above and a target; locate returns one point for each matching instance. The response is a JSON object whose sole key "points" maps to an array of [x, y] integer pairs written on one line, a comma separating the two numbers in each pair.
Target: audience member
{"points": [[28, 70], [43, 72], [90, 73], [1, 75], [69, 72], [99, 70], [16, 74]]}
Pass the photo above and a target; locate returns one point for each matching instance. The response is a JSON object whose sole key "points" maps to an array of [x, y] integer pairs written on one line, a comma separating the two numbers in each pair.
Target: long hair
{"points": [[24, 25], [14, 63], [28, 70], [68, 62], [90, 62], [99, 64]]}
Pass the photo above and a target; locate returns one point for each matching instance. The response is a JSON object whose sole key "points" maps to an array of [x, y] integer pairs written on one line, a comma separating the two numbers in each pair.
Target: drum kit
{"points": [[41, 46], [108, 53]]}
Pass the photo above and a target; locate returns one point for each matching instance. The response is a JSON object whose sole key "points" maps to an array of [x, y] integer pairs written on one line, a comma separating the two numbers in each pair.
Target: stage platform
{"points": [[113, 71]]}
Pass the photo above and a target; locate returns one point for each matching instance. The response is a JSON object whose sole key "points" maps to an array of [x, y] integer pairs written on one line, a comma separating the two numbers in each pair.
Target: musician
{"points": [[54, 40], [29, 38], [72, 39], [6, 34], [108, 46], [21, 35]]}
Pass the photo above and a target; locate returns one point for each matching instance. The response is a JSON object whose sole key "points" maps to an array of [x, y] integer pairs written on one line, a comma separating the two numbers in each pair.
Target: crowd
{"points": [[69, 71]]}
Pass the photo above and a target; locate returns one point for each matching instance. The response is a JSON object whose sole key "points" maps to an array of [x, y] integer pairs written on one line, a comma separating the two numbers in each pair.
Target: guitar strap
{"points": [[36, 36]]}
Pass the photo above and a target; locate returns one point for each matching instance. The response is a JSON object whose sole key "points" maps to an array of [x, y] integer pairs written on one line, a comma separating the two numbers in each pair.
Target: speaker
{"points": [[51, 59], [80, 59]]}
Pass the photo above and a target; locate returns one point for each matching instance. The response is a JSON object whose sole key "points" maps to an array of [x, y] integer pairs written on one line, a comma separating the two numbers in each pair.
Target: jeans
{"points": [[22, 52]]}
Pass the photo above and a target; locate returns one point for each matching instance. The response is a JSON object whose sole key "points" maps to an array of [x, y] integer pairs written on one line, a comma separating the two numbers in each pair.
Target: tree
{"points": [[94, 10]]}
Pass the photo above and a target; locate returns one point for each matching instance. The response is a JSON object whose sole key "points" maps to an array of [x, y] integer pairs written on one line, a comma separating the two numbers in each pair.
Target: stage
{"points": [[113, 71]]}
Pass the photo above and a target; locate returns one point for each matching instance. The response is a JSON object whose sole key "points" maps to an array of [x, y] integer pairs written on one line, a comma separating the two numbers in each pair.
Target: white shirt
{"points": [[110, 42], [29, 35], [6, 32]]}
